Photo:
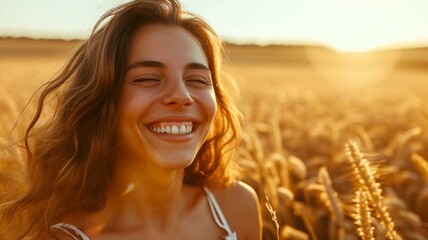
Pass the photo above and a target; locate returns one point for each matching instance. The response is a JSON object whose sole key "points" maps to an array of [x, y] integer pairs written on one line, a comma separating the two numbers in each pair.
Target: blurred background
{"points": [[342, 43], [312, 75]]}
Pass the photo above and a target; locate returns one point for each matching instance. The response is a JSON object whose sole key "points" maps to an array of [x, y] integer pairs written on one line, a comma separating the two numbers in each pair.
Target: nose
{"points": [[177, 95]]}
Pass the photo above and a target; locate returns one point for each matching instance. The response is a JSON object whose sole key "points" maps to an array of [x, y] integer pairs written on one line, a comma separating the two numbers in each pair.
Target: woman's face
{"points": [[168, 102]]}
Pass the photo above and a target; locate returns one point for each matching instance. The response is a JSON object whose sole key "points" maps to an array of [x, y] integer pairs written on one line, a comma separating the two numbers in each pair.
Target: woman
{"points": [[139, 143]]}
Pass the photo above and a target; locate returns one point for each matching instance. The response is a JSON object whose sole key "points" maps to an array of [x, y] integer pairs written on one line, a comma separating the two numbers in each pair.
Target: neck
{"points": [[142, 197]]}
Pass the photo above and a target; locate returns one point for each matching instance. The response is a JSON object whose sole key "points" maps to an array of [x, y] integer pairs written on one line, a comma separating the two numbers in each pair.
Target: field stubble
{"points": [[330, 158]]}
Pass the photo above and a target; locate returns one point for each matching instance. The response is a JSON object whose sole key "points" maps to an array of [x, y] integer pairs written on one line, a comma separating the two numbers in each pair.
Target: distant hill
{"points": [[35, 47], [416, 58]]}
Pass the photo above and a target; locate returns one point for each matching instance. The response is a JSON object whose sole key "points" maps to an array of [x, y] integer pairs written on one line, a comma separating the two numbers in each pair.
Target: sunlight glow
{"points": [[345, 25], [352, 70], [353, 45], [128, 189]]}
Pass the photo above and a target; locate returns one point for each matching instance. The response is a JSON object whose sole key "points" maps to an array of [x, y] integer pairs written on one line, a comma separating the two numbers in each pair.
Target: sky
{"points": [[348, 25]]}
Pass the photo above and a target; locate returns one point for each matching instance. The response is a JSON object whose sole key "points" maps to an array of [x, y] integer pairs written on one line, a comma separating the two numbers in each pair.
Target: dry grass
{"points": [[298, 119]]}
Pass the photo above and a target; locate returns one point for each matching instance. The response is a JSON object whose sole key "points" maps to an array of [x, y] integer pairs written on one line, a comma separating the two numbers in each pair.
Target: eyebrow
{"points": [[140, 64], [156, 64], [197, 66]]}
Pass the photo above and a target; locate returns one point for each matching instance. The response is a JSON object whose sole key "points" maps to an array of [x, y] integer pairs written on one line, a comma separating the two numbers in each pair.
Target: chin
{"points": [[176, 161]]}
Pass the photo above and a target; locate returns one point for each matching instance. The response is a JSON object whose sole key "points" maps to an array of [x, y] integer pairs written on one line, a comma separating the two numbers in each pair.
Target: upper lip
{"points": [[176, 118]]}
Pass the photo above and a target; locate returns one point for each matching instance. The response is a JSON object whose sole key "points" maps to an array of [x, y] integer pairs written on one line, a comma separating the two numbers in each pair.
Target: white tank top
{"points": [[216, 212]]}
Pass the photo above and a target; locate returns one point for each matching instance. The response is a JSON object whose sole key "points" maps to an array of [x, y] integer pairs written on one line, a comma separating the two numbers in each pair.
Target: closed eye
{"points": [[146, 81], [197, 81]]}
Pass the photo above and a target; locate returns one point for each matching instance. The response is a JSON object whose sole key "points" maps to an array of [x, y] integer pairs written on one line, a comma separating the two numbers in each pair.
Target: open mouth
{"points": [[172, 128]]}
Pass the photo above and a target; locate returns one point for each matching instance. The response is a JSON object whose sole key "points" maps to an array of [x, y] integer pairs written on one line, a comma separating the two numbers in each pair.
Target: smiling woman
{"points": [[168, 90], [139, 145]]}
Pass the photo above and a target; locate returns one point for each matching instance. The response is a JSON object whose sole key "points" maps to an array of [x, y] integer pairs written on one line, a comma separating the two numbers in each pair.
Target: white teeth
{"points": [[173, 128], [183, 129]]}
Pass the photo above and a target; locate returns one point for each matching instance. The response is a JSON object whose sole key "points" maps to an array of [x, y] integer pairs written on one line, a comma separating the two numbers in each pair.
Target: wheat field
{"points": [[335, 145]]}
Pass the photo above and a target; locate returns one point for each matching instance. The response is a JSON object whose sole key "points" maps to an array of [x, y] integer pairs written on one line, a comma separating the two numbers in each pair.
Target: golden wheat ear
{"points": [[421, 165], [365, 178], [362, 216], [331, 199]]}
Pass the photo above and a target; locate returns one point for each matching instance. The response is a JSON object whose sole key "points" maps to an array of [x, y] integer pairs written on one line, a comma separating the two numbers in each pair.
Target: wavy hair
{"points": [[71, 157]]}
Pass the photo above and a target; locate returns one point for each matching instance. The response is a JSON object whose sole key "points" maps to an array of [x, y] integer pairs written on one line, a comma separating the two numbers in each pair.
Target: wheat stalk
{"points": [[273, 215], [276, 133], [363, 218], [333, 203], [288, 232], [330, 196], [421, 165], [299, 210], [365, 176]]}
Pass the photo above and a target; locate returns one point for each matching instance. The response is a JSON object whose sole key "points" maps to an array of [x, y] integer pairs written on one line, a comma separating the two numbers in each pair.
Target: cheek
{"points": [[134, 101], [127, 109], [211, 106], [131, 107]]}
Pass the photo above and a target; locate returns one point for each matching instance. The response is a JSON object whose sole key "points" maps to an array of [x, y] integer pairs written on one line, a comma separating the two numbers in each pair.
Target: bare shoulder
{"points": [[241, 208]]}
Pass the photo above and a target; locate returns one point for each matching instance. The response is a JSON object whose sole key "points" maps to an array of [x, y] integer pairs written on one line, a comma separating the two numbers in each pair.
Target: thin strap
{"points": [[65, 227], [218, 215]]}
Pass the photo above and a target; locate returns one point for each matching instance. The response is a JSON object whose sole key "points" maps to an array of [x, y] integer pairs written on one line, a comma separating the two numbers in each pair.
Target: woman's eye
{"points": [[196, 82], [147, 82]]}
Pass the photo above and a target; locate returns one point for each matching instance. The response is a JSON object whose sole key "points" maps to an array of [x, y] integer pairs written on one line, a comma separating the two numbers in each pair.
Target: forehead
{"points": [[167, 44]]}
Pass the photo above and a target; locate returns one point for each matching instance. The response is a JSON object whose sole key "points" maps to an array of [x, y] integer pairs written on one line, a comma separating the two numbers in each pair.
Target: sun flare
{"points": [[352, 69], [353, 47]]}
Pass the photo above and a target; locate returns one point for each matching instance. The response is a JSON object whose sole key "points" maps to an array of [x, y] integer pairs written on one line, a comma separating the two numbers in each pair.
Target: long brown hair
{"points": [[71, 157]]}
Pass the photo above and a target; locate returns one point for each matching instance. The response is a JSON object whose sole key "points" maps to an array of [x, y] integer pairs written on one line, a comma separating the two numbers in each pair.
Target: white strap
{"points": [[218, 215], [65, 226]]}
